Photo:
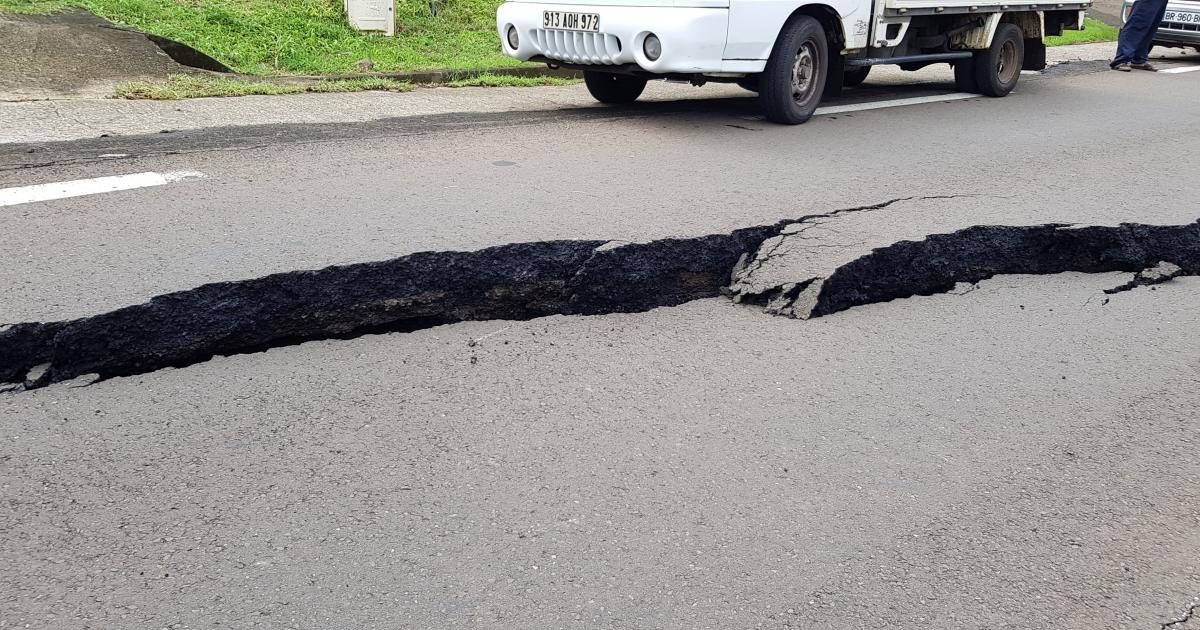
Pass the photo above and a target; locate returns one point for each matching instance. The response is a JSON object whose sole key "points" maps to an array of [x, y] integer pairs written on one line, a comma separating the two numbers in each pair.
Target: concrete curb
{"points": [[440, 76], [425, 77]]}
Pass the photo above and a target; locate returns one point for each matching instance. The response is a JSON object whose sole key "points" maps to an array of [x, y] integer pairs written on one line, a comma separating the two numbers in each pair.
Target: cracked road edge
{"points": [[528, 280], [1189, 611]]}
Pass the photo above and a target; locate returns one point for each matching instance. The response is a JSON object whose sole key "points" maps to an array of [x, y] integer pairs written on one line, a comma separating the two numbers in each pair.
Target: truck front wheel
{"points": [[998, 68], [614, 89], [790, 86]]}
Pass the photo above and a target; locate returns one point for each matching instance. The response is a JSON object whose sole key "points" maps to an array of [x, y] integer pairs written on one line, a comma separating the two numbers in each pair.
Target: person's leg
{"points": [[1141, 21], [1147, 42]]}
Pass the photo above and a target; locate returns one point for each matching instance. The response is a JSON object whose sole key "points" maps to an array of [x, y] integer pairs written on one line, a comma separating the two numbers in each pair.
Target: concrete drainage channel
{"points": [[770, 266]]}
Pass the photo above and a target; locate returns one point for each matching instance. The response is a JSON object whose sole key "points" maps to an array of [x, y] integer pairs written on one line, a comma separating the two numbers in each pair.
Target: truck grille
{"points": [[577, 47]]}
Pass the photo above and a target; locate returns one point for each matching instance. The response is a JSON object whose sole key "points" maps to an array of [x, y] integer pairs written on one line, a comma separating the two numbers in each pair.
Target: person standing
{"points": [[1137, 36]]}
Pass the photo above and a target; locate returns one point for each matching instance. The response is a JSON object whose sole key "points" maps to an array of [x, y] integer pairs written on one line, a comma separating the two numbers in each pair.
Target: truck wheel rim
{"points": [[803, 71], [1006, 65]]}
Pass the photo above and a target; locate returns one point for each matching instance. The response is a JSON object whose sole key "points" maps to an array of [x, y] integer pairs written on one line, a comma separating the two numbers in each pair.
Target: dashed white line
{"points": [[81, 187], [900, 102], [1181, 69]]}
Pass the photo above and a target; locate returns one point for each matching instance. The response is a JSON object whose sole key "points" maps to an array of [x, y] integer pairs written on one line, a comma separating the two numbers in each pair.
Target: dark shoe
{"points": [[1143, 66], [1121, 67]]}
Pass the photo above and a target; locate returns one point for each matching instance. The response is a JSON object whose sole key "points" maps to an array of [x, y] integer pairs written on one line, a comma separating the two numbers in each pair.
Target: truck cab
{"points": [[793, 53]]}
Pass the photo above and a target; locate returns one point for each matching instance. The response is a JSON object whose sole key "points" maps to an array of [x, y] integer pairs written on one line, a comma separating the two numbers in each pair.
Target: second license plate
{"points": [[564, 21], [1184, 17]]}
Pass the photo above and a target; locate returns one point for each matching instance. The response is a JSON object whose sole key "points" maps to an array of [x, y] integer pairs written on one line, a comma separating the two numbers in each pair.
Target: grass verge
{"points": [[179, 86], [1093, 31], [273, 37], [499, 80]]}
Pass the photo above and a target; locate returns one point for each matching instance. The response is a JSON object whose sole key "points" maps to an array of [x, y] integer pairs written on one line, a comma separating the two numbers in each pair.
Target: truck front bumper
{"points": [[693, 39]]}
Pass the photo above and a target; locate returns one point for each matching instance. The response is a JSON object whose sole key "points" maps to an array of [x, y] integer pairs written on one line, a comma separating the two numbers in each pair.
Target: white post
{"points": [[372, 15]]}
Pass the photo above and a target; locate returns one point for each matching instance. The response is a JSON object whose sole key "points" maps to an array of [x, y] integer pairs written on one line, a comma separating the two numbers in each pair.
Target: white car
{"points": [[1180, 26], [789, 51]]}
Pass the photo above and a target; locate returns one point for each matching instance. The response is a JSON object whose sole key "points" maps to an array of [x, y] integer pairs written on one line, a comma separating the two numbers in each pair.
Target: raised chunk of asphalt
{"points": [[823, 265], [1185, 619], [805, 268], [1157, 274]]}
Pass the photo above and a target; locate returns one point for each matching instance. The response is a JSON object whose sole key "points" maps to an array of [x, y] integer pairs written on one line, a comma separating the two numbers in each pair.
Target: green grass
{"points": [[500, 80], [179, 86], [307, 36], [1093, 31], [33, 6]]}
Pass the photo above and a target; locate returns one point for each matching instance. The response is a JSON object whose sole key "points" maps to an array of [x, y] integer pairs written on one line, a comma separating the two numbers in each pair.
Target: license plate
{"points": [[563, 21], [1183, 17]]}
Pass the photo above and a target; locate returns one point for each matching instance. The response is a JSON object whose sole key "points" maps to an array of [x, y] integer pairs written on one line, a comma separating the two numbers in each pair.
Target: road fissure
{"points": [[586, 277]]}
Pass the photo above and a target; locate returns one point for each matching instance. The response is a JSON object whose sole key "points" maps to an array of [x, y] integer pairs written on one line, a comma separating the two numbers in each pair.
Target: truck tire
{"points": [[614, 89], [964, 76], [791, 85], [853, 77], [998, 68]]}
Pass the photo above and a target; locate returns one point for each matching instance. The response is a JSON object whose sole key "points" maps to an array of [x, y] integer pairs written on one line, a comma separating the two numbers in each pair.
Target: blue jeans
{"points": [[1137, 36]]}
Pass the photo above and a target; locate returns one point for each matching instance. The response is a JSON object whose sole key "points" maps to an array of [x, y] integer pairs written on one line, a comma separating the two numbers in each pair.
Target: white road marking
{"points": [[1181, 69], [900, 102], [80, 187]]}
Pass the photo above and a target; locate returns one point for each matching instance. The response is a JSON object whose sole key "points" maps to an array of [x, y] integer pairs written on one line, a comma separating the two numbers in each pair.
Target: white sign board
{"points": [[372, 15]]}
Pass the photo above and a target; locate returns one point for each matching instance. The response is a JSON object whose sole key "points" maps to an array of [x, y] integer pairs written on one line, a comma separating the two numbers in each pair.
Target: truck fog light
{"points": [[652, 47], [513, 41]]}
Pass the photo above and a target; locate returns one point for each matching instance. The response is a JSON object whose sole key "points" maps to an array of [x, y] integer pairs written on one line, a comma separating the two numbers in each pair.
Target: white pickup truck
{"points": [[791, 52]]}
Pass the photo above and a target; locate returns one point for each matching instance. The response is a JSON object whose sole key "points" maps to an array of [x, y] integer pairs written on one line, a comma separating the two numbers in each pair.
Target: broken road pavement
{"points": [[525, 453]]}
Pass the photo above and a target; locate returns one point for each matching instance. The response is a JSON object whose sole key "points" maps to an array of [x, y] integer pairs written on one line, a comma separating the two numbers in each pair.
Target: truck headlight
{"points": [[513, 41], [652, 47]]}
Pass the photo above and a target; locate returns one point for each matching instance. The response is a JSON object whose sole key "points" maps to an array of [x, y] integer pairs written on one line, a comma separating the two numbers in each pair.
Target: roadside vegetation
{"points": [[274, 37], [282, 37], [179, 86], [1093, 31], [501, 80]]}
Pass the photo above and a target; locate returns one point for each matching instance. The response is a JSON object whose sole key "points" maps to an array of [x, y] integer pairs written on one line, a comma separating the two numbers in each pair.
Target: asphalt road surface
{"points": [[1020, 451]]}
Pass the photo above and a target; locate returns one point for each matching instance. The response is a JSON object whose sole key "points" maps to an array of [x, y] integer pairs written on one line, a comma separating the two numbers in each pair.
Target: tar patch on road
{"points": [[529, 280]]}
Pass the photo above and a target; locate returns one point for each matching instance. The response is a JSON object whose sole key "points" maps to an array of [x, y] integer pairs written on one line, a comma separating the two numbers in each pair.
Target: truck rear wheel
{"points": [[853, 77], [998, 68], [790, 86], [614, 89]]}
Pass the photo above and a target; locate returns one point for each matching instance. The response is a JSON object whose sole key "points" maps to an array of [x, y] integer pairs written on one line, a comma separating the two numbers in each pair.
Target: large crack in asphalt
{"points": [[586, 277]]}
